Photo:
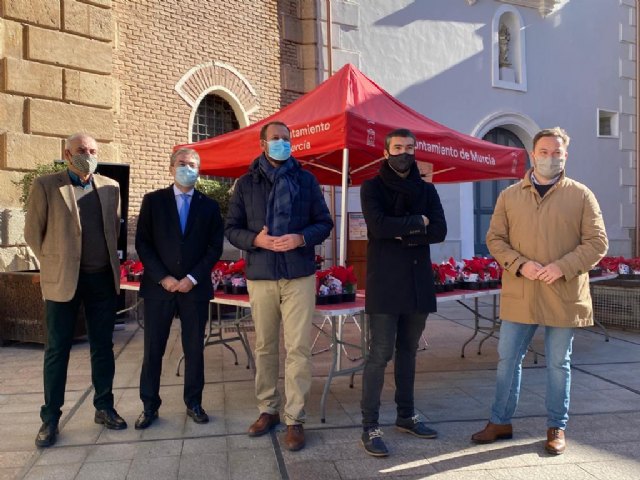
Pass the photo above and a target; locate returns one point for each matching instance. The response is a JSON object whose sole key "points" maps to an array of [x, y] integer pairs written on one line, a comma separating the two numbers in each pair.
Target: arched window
{"points": [[213, 117]]}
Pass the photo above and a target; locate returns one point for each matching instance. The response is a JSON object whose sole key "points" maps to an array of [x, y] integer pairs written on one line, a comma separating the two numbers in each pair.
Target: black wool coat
{"points": [[399, 272]]}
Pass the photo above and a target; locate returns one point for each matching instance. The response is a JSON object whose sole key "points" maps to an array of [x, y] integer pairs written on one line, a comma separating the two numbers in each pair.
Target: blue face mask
{"points": [[186, 176], [279, 150]]}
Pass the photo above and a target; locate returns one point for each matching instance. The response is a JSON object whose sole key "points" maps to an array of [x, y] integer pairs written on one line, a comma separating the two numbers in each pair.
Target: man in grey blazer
{"points": [[72, 226]]}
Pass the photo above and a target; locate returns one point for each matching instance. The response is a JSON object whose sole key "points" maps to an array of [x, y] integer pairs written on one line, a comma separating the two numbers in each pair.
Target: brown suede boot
{"points": [[294, 439], [492, 432], [555, 441]]}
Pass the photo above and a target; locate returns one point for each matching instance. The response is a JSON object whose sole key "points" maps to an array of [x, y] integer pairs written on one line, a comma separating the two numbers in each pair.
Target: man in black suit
{"points": [[179, 239]]}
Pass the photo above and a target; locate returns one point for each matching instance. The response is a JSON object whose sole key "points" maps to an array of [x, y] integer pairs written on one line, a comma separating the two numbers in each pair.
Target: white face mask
{"points": [[549, 167]]}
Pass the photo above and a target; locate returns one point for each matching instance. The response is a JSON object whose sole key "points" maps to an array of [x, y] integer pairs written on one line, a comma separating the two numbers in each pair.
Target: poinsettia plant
{"points": [[131, 269], [346, 276]]}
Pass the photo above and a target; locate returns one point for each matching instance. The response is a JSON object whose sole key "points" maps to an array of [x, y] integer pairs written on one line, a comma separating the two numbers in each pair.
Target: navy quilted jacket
{"points": [[247, 216]]}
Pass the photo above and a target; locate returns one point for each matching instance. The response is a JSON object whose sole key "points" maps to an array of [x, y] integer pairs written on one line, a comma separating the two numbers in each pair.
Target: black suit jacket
{"points": [[164, 250]]}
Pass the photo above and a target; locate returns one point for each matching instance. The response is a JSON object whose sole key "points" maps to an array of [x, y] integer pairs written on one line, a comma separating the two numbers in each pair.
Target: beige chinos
{"points": [[290, 303]]}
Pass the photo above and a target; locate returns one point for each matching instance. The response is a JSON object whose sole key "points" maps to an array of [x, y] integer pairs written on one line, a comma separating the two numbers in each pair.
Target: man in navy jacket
{"points": [[179, 239], [277, 215]]}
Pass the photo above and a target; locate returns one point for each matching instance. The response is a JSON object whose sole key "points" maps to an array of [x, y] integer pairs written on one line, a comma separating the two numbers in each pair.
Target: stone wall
{"points": [[56, 68], [113, 68]]}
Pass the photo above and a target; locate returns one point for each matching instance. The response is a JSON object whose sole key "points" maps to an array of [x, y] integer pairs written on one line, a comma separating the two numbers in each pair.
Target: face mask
{"points": [[402, 162], [186, 176], [279, 150], [549, 167], [85, 163]]}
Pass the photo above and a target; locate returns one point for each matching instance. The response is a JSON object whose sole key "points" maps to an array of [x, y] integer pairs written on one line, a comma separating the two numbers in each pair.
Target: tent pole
{"points": [[344, 234]]}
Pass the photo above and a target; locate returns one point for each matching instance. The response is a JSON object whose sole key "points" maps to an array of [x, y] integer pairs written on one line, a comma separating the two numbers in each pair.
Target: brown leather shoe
{"points": [[294, 440], [263, 424], [555, 441], [492, 432]]}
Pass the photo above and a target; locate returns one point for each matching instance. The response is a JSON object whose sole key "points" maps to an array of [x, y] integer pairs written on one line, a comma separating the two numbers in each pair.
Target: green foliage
{"points": [[218, 190], [25, 182]]}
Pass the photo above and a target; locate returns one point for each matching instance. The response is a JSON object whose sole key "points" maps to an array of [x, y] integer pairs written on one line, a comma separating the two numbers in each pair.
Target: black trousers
{"points": [[98, 295], [388, 333], [158, 316]]}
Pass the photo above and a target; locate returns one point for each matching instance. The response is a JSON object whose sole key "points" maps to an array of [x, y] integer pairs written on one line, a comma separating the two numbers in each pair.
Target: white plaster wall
{"points": [[435, 56]]}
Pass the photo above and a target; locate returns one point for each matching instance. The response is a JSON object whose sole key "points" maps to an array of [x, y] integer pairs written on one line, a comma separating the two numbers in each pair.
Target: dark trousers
{"points": [[98, 295], [389, 331], [158, 316]]}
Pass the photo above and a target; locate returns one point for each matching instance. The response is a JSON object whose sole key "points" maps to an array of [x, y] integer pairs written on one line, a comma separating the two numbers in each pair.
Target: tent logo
{"points": [[371, 137]]}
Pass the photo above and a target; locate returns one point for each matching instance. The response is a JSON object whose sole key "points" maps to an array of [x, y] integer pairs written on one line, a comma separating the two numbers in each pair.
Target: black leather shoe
{"points": [[198, 414], [373, 443], [416, 427], [146, 419], [110, 419], [47, 434]]}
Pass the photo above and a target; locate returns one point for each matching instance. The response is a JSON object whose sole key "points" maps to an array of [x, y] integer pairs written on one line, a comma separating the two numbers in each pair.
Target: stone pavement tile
{"points": [[630, 418], [239, 421], [245, 464], [216, 425], [74, 435], [166, 426], [18, 437], [160, 448], [9, 473], [210, 445], [54, 472], [612, 400], [324, 469], [15, 458], [595, 429], [371, 467], [622, 450], [245, 442], [62, 455], [211, 466], [129, 434], [111, 453], [114, 470], [543, 472], [156, 468], [451, 475], [618, 469]]}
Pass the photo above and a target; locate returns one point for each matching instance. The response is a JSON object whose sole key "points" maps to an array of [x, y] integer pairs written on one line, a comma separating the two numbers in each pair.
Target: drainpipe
{"points": [[637, 239], [332, 189]]}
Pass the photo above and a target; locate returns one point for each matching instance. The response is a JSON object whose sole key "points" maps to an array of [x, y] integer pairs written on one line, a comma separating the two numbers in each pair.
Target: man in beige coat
{"points": [[72, 225], [547, 232]]}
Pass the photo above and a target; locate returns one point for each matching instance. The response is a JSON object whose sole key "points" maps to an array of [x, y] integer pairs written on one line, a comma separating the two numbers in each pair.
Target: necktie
{"points": [[184, 211]]}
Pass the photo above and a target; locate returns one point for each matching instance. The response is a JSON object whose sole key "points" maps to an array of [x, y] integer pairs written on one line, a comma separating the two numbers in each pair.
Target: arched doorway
{"points": [[486, 193]]}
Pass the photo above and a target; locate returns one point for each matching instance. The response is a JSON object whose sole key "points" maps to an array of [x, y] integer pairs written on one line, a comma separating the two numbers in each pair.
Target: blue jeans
{"points": [[389, 332], [512, 347]]}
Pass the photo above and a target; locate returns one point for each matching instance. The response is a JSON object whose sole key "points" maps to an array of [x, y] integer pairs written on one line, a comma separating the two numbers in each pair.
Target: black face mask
{"points": [[402, 162]]}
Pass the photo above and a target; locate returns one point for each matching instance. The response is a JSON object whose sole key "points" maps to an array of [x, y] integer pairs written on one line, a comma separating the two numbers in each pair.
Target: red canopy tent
{"points": [[350, 112], [338, 131]]}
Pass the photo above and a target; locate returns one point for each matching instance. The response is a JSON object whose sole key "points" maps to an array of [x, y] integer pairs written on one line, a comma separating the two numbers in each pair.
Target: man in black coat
{"points": [[403, 215], [179, 239], [277, 215]]}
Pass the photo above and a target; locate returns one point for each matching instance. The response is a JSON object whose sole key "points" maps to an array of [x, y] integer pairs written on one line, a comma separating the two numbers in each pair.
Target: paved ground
{"points": [[453, 393]]}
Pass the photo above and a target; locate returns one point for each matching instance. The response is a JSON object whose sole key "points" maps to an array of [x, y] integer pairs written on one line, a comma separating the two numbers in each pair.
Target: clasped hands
{"points": [[282, 243], [171, 284], [535, 271]]}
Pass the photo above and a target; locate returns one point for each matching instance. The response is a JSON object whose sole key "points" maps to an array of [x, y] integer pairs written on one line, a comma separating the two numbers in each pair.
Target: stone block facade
{"points": [[131, 73]]}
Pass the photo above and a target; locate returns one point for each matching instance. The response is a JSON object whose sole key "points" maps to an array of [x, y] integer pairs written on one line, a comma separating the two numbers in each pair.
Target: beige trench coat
{"points": [[565, 227], [52, 230]]}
